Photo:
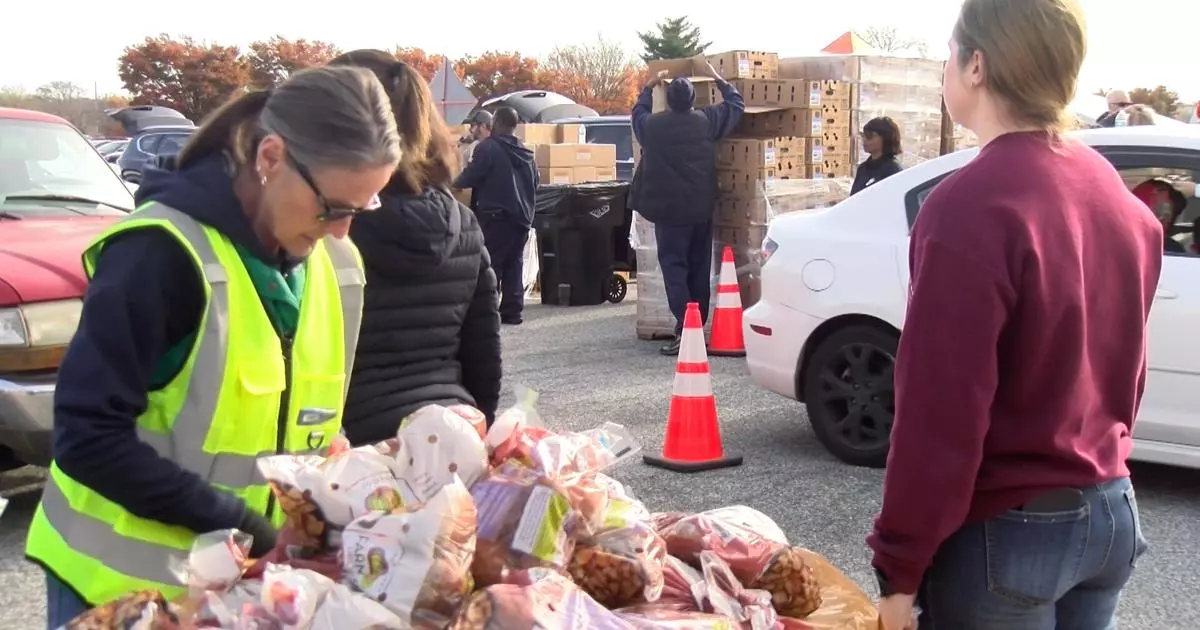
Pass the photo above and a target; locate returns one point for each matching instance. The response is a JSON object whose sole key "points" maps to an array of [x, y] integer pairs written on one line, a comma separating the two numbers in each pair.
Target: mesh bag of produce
{"points": [[143, 610], [758, 562], [621, 567], [416, 560], [537, 599], [525, 520]]}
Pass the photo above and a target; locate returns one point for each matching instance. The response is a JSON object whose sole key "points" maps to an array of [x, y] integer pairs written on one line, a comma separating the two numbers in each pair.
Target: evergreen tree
{"points": [[676, 39]]}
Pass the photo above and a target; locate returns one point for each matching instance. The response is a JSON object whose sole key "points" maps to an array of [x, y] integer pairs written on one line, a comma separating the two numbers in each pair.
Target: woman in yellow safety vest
{"points": [[219, 325]]}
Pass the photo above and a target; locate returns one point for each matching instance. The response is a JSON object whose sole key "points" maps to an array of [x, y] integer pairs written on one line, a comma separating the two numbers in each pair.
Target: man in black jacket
{"points": [[675, 186], [503, 180]]}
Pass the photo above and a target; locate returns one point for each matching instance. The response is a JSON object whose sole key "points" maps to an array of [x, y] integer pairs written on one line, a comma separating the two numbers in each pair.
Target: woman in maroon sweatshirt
{"points": [[1007, 502]]}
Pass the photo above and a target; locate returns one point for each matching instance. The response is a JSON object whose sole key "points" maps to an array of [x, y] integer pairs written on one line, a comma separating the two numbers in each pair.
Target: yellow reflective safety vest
{"points": [[242, 393]]}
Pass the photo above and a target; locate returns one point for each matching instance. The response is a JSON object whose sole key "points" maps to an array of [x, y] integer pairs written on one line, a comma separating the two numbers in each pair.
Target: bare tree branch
{"points": [[604, 65], [889, 39]]}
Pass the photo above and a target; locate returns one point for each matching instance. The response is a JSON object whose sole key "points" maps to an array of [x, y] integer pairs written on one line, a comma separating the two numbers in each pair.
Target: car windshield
{"points": [[620, 135], [53, 161]]}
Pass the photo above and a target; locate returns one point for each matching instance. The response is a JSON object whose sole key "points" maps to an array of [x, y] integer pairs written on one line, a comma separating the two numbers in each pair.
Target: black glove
{"points": [[261, 529]]}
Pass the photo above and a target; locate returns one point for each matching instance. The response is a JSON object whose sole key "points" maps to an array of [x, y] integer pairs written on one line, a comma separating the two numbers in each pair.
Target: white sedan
{"points": [[835, 289]]}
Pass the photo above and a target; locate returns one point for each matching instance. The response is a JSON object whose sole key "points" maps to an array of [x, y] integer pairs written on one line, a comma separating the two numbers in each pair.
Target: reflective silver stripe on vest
{"points": [[95, 538], [185, 444], [351, 282]]}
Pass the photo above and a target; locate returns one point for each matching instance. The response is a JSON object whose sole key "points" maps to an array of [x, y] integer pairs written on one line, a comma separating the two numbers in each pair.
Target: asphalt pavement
{"points": [[588, 367]]}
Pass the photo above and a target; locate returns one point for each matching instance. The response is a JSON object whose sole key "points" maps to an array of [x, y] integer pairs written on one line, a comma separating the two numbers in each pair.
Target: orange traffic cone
{"points": [[693, 439], [727, 339]]}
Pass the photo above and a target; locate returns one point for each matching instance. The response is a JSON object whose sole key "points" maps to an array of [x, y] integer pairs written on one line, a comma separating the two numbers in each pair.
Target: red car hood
{"points": [[40, 259]]}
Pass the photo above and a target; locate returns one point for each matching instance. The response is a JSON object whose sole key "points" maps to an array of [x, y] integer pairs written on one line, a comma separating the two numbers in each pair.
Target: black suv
{"points": [[149, 144]]}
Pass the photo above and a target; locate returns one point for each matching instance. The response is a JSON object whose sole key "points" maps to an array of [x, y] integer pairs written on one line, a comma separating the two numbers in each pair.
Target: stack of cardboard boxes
{"points": [[563, 155]]}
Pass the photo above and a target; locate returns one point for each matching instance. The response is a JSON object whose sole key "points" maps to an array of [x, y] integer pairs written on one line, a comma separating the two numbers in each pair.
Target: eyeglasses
{"points": [[329, 212]]}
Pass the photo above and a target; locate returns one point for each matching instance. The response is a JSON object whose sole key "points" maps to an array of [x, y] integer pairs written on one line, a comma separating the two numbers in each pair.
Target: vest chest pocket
{"points": [[316, 405], [260, 385]]}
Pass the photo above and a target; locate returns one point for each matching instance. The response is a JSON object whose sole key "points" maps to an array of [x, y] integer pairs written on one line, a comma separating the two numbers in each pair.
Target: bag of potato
{"points": [[525, 520], [535, 599], [415, 560], [758, 562], [752, 609], [321, 495], [621, 567], [143, 610], [564, 454], [844, 605], [437, 444]]}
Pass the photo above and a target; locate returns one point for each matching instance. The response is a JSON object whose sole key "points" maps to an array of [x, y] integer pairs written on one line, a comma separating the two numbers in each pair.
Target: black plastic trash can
{"points": [[576, 226]]}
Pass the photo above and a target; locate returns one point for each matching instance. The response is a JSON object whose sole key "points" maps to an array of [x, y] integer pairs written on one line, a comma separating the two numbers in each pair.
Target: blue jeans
{"points": [[1037, 571], [62, 605]]}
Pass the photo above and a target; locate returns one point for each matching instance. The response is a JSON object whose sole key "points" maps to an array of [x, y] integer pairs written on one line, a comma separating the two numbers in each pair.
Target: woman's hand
{"points": [[896, 612]]}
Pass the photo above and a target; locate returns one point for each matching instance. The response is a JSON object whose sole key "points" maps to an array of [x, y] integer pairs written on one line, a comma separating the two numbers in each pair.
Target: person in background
{"points": [[431, 328], [1117, 100], [219, 324], [1138, 115], [675, 186], [1167, 203], [480, 128], [1023, 358], [503, 179], [881, 141]]}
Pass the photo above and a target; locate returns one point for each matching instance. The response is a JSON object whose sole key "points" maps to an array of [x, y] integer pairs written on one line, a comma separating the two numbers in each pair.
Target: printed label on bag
{"points": [[540, 531]]}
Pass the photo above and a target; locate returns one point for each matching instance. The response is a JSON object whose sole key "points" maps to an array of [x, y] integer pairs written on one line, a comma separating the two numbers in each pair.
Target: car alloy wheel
{"points": [[850, 395]]}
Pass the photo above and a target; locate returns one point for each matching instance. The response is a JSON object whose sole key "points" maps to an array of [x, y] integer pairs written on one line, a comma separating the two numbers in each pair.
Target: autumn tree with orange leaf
{"points": [[606, 75], [425, 64], [191, 77], [495, 73], [272, 61]]}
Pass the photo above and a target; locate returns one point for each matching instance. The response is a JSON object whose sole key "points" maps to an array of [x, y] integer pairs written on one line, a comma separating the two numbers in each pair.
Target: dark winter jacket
{"points": [[503, 179], [676, 178], [431, 325]]}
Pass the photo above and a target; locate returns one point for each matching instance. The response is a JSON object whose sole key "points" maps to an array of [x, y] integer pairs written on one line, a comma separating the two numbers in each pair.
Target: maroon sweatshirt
{"points": [[1023, 356]]}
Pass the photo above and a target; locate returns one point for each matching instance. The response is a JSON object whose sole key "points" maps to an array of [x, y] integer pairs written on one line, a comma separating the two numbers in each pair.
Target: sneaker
{"points": [[671, 349], [512, 321]]}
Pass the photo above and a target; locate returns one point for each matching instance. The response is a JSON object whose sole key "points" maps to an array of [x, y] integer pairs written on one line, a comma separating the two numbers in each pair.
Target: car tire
{"points": [[850, 395]]}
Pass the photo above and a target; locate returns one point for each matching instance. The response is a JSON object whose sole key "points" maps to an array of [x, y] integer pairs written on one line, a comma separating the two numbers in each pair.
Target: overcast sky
{"points": [[1146, 43]]}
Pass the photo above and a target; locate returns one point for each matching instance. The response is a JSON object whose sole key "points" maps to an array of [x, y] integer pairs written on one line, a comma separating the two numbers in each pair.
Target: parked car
{"points": [[56, 194], [111, 148], [138, 118], [615, 130], [152, 142], [835, 289]]}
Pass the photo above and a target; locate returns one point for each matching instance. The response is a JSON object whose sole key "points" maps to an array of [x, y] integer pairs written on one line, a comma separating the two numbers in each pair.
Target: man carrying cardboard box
{"points": [[503, 180], [481, 127], [675, 186]]}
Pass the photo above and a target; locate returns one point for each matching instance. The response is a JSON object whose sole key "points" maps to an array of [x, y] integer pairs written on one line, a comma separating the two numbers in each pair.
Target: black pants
{"points": [[685, 256], [505, 242]]}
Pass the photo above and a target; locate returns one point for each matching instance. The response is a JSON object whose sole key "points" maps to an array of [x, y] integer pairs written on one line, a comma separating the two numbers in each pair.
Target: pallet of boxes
{"points": [[789, 152], [906, 89]]}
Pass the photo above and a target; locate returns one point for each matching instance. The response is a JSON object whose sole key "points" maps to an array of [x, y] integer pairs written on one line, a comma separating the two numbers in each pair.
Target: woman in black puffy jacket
{"points": [[431, 324]]}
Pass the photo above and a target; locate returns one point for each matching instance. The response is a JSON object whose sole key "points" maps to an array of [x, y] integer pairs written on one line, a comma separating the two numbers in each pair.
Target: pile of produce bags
{"points": [[514, 528]]}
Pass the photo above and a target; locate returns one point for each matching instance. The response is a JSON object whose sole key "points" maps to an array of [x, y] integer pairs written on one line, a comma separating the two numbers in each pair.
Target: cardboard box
{"points": [[745, 64], [746, 184], [672, 67], [558, 175], [821, 152], [830, 168], [736, 212], [537, 133], [746, 153], [793, 122], [833, 92], [783, 93], [572, 134], [552, 155]]}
